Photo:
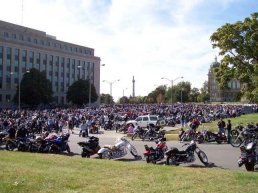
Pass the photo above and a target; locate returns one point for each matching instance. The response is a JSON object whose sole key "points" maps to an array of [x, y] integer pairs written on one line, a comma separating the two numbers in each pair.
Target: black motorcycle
{"points": [[90, 147], [138, 132], [249, 155], [176, 157], [209, 136]]}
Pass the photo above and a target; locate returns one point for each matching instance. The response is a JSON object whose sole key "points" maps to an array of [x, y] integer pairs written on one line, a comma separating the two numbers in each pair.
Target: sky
{"points": [[147, 39]]}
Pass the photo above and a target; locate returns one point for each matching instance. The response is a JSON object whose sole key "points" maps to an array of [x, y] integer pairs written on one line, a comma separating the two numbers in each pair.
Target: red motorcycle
{"points": [[153, 155]]}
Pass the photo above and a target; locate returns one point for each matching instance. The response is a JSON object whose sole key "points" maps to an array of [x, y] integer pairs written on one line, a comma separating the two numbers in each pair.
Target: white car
{"points": [[144, 120]]}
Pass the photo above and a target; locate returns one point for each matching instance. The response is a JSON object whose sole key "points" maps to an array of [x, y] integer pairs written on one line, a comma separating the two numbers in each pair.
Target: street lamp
{"points": [[172, 82], [19, 88], [124, 91], [111, 84]]}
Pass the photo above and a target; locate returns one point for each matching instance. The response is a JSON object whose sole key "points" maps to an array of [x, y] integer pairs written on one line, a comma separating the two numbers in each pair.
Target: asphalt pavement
{"points": [[222, 156]]}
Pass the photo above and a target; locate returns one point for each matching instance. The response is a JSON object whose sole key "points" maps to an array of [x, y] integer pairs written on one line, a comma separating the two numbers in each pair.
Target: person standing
{"points": [[229, 127], [221, 125]]}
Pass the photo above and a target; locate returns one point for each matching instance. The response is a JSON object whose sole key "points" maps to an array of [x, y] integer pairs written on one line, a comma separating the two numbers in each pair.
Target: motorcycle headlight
{"points": [[249, 146]]}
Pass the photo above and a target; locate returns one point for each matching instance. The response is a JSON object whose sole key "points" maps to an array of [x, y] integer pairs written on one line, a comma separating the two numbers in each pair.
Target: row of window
{"points": [[61, 71], [46, 42], [8, 98]]}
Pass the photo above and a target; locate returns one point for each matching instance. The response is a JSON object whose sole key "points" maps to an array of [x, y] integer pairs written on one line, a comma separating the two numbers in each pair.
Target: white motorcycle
{"points": [[118, 150]]}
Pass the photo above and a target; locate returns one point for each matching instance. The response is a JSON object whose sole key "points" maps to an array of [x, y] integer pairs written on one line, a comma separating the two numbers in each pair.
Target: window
{"points": [[14, 36], [21, 37], [0, 98], [8, 97], [35, 41], [6, 35], [28, 39]]}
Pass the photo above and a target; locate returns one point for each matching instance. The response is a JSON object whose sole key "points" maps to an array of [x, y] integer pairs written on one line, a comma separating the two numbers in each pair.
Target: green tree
{"points": [[157, 96], [182, 89], [194, 93], [106, 99], [124, 100], [204, 94], [239, 50], [35, 89], [78, 92]]}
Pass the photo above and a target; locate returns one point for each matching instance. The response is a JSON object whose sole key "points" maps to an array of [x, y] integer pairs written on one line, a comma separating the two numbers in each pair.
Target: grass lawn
{"points": [[244, 119], [35, 173]]}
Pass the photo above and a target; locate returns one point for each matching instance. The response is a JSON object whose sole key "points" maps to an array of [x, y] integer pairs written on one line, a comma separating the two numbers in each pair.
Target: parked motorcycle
{"points": [[209, 136], [138, 132], [152, 133], [155, 154], [60, 144], [176, 157], [187, 135], [90, 147], [118, 150], [249, 155]]}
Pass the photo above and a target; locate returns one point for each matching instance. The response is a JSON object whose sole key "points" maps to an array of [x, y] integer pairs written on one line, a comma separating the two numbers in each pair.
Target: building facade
{"points": [[217, 94], [22, 49]]}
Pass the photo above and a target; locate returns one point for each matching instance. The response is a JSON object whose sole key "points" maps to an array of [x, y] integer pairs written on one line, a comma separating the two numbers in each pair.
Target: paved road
{"points": [[222, 156]]}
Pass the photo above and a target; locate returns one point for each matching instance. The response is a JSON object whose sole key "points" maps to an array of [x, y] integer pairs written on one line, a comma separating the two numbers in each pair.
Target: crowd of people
{"points": [[38, 121]]}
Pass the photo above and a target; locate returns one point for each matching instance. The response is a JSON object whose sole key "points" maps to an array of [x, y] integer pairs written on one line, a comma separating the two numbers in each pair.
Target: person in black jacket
{"points": [[229, 127], [221, 125]]}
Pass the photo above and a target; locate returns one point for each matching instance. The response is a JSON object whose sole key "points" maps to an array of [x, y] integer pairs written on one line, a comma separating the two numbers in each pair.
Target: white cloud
{"points": [[147, 39]]}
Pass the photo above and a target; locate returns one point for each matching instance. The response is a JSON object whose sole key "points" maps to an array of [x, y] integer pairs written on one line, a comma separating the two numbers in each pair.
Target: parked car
{"points": [[144, 120]]}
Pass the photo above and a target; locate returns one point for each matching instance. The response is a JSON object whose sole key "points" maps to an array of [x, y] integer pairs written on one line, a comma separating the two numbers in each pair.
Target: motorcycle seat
{"points": [[111, 147]]}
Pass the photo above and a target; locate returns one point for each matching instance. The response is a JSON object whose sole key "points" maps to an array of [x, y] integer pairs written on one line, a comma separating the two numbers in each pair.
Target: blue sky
{"points": [[147, 39]]}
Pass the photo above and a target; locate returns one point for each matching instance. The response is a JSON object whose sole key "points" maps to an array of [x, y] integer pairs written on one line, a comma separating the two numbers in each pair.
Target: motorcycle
{"points": [[3, 135], [90, 147], [209, 136], [138, 132], [176, 157], [187, 135], [249, 155], [60, 144], [152, 133], [157, 154], [118, 150]]}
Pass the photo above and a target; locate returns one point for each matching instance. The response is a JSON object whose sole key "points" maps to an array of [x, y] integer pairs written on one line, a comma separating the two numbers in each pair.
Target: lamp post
{"points": [[111, 84], [19, 88], [124, 91], [172, 82]]}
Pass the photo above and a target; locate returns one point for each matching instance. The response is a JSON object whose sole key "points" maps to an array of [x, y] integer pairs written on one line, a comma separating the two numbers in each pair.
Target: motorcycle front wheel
{"points": [[134, 136], [203, 157], [133, 151], [236, 141], [9, 146]]}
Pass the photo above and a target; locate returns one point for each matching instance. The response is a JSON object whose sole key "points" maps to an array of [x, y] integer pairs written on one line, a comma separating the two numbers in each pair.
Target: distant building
{"points": [[217, 94], [23, 48]]}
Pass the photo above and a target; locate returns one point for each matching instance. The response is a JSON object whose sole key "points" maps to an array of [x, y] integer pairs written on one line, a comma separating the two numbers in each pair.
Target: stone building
{"points": [[23, 48], [217, 94]]}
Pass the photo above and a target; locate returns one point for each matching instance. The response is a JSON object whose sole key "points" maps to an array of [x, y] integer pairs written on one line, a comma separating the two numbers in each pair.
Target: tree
{"points": [[194, 93], [35, 89], [123, 100], [78, 92], [106, 99], [182, 89], [157, 96], [239, 50], [204, 95]]}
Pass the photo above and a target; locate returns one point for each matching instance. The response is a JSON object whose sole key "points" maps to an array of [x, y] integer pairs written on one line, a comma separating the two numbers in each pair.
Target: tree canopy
{"points": [[238, 45], [78, 92], [35, 89]]}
